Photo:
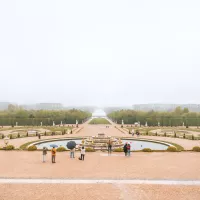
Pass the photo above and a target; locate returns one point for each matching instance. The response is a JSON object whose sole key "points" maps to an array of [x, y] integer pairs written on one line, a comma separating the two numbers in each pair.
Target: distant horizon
{"points": [[106, 105]]}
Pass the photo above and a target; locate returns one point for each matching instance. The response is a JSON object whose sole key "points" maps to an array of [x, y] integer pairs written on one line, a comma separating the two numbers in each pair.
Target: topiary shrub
{"points": [[147, 133], [89, 149], [2, 136], [192, 137], [165, 134], [61, 149], [175, 134], [172, 149], [184, 136], [146, 150], [18, 135], [9, 147], [156, 134], [118, 150], [11, 137], [32, 148], [197, 149]]}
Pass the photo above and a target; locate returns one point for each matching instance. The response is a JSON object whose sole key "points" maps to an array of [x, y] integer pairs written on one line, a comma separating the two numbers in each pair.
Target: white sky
{"points": [[106, 52]]}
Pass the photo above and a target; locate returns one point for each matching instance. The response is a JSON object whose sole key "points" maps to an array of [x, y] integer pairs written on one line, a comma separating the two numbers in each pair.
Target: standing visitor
{"points": [[53, 155], [82, 153], [72, 152], [44, 153], [125, 149], [109, 146], [128, 149], [133, 132]]}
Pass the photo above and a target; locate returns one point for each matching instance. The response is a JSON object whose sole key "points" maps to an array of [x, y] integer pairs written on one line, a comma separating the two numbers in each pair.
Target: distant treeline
{"points": [[35, 117], [175, 118]]}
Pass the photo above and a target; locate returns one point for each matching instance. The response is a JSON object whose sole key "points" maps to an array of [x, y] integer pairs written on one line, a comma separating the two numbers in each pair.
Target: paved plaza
{"points": [[143, 176]]}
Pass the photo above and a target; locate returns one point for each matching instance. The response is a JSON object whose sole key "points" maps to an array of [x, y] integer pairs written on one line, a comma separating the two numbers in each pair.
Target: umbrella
{"points": [[71, 145], [53, 145]]}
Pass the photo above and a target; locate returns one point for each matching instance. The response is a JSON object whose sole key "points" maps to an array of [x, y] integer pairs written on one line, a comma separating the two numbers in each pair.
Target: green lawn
{"points": [[99, 121]]}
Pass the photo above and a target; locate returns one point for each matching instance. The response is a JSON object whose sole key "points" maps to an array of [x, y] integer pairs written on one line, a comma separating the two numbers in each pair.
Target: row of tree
{"points": [[47, 117], [176, 118]]}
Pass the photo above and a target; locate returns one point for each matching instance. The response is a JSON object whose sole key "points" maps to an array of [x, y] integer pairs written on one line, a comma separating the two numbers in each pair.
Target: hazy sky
{"points": [[106, 52]]}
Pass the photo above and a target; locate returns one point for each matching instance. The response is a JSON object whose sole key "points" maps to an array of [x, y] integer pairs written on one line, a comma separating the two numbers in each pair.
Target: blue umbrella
{"points": [[53, 145]]}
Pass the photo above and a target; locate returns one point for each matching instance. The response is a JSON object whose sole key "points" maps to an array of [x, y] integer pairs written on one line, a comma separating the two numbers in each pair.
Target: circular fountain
{"points": [[100, 142]]}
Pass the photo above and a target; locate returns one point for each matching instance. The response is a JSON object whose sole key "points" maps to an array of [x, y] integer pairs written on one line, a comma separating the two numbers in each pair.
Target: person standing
{"points": [[125, 149], [133, 132], [109, 146], [44, 153], [82, 153], [72, 152], [128, 149], [53, 155]]}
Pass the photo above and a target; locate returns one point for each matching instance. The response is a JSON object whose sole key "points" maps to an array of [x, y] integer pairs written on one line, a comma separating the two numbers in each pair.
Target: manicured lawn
{"points": [[99, 121]]}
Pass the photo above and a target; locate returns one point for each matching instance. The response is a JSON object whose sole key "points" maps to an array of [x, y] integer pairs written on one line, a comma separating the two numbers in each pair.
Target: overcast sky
{"points": [[106, 52]]}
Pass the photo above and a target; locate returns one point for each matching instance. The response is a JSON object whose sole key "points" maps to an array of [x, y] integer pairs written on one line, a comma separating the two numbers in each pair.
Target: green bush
{"points": [[11, 137], [175, 134], [2, 136], [18, 135], [32, 148], [9, 147], [165, 134], [60, 149], [118, 150], [192, 137], [197, 149], [89, 149], [146, 150], [172, 149]]}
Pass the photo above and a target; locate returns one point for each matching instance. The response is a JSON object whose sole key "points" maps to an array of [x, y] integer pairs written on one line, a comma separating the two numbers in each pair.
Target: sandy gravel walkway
{"points": [[100, 192], [24, 164]]}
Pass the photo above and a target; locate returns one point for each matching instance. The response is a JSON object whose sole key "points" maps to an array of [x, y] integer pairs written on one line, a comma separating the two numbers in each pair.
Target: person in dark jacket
{"points": [[125, 149]]}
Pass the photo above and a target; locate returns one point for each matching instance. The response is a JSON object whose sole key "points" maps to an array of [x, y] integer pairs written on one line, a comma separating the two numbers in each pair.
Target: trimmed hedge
{"points": [[146, 150], [196, 148], [32, 148], [61, 149], [172, 149], [9, 147], [118, 150], [89, 149]]}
